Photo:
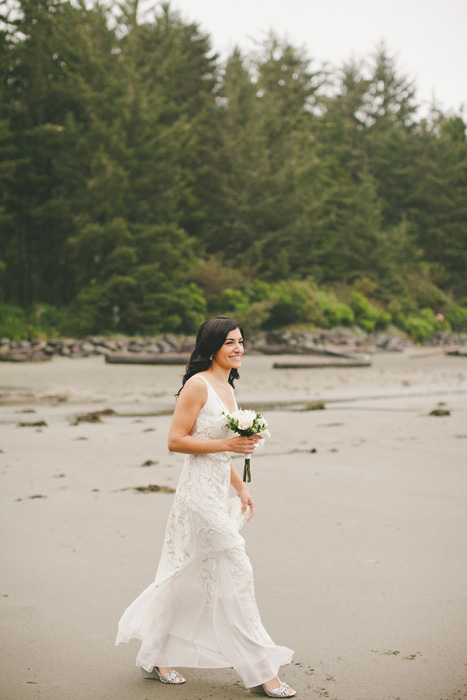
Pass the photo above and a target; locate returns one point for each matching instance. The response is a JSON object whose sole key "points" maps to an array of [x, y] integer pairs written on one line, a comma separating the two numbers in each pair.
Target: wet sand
{"points": [[358, 546]]}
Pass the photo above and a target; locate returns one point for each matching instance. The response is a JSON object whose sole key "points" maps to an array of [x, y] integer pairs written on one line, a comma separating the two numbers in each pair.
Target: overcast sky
{"points": [[427, 36]]}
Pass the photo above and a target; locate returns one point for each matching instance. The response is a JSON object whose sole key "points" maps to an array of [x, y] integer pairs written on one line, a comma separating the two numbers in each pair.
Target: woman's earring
{"points": [[211, 358]]}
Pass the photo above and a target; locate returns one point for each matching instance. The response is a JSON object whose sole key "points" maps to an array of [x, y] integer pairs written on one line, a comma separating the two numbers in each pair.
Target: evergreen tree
{"points": [[438, 204]]}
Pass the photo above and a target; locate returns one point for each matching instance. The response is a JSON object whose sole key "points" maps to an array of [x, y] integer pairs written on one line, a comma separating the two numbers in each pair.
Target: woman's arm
{"points": [[242, 491], [189, 403]]}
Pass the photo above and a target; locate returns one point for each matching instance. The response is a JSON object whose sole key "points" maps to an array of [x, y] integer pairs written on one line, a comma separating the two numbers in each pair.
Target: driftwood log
{"points": [[459, 352], [324, 362], [147, 358]]}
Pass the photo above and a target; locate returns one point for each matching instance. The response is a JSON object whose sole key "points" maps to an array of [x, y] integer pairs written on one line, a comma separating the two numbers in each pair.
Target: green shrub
{"points": [[261, 291], [335, 313], [229, 301], [418, 328], [48, 319], [39, 321], [167, 308], [425, 294], [255, 316], [457, 317], [396, 311], [368, 316], [295, 302], [421, 326], [13, 322]]}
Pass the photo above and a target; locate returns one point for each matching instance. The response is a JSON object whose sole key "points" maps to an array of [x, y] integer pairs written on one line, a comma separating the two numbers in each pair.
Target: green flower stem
{"points": [[246, 471]]}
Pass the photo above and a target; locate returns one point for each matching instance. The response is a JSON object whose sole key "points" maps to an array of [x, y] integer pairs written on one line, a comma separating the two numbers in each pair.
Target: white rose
{"points": [[245, 419]]}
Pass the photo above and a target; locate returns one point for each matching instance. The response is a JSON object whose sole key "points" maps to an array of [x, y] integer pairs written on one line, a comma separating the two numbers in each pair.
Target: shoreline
{"points": [[175, 349]]}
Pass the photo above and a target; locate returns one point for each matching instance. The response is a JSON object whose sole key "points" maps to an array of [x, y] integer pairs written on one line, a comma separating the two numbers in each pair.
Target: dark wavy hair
{"points": [[211, 337]]}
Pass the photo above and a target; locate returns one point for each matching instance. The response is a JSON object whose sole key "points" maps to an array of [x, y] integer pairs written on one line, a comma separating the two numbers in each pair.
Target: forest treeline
{"points": [[146, 183]]}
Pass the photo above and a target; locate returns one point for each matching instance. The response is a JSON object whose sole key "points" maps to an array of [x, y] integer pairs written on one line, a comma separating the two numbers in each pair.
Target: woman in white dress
{"points": [[201, 611]]}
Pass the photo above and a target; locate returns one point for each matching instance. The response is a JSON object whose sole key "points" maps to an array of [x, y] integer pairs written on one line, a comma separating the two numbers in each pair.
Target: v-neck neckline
{"points": [[217, 395]]}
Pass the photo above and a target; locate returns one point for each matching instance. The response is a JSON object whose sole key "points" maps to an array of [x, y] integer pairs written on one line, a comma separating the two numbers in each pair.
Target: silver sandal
{"points": [[172, 677], [283, 691]]}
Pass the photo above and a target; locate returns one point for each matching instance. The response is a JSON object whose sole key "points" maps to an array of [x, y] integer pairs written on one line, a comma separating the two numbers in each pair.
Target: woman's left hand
{"points": [[247, 500]]}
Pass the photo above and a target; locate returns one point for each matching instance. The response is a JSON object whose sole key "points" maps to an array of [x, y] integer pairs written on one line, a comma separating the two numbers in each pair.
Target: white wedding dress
{"points": [[201, 610]]}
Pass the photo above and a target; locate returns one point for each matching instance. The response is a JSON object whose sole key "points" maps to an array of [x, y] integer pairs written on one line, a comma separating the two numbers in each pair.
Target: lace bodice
{"points": [[202, 492], [206, 477], [211, 421]]}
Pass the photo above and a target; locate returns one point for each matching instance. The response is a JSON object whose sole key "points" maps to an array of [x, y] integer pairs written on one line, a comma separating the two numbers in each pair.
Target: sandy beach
{"points": [[358, 546]]}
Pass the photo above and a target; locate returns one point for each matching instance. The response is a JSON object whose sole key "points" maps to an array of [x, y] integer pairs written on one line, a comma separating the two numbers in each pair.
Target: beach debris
{"points": [[149, 430], [56, 398], [313, 450], [314, 406], [26, 410], [33, 424], [439, 410], [328, 425], [37, 495], [150, 488], [148, 463], [93, 416], [339, 361], [59, 476]]}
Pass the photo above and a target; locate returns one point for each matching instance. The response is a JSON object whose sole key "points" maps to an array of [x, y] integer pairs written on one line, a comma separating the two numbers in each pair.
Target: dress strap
{"points": [[202, 377], [233, 394]]}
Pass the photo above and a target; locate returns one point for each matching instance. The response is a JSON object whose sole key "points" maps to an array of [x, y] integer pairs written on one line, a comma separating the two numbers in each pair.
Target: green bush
{"points": [[39, 321], [13, 322], [425, 294], [368, 316], [255, 316], [421, 326], [457, 317], [229, 301], [335, 312], [261, 291], [295, 302], [48, 319], [167, 308], [396, 311]]}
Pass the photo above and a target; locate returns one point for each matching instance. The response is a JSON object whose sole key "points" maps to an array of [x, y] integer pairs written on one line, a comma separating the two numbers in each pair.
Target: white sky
{"points": [[428, 37]]}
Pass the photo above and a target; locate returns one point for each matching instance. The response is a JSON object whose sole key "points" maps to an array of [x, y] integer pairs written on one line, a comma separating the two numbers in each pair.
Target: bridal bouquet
{"points": [[247, 423]]}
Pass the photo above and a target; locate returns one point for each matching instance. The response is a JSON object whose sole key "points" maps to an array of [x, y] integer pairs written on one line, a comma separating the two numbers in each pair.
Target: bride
{"points": [[201, 611]]}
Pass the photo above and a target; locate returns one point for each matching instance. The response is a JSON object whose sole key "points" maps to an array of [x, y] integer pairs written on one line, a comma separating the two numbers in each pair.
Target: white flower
{"points": [[245, 418]]}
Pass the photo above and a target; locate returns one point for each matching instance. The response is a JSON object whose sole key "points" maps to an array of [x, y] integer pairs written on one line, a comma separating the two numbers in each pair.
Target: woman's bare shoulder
{"points": [[195, 389]]}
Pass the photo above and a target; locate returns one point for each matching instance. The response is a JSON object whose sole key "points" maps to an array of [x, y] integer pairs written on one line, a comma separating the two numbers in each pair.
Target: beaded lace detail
{"points": [[202, 495]]}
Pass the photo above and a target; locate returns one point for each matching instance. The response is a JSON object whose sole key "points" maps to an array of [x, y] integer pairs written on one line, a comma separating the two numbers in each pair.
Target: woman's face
{"points": [[229, 356]]}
